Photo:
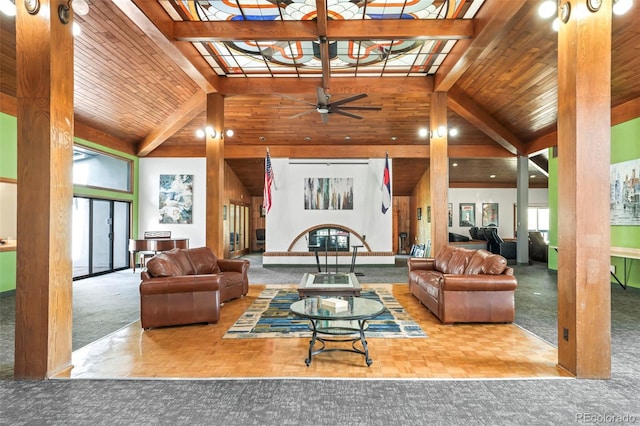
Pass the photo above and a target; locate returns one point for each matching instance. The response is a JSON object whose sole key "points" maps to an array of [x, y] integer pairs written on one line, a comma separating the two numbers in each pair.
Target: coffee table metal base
{"points": [[349, 334]]}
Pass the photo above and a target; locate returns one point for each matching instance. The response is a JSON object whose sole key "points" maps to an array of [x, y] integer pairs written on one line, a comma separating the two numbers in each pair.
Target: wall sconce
{"points": [[594, 5], [565, 12], [80, 7], [7, 7], [32, 6], [201, 133], [439, 133]]}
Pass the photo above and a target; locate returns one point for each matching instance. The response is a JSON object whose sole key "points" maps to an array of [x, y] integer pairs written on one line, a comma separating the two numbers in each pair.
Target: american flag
{"points": [[268, 180]]}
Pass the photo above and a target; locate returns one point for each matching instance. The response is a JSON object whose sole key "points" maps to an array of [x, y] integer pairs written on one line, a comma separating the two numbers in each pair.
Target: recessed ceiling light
{"points": [[307, 138], [455, 164], [230, 132], [423, 132], [394, 138], [347, 138], [532, 176], [262, 138], [453, 132], [492, 176]]}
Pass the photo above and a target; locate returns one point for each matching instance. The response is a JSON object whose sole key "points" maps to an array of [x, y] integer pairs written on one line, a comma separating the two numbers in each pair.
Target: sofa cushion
{"points": [[443, 257], [203, 261], [459, 260], [484, 262], [182, 261], [162, 265], [430, 281]]}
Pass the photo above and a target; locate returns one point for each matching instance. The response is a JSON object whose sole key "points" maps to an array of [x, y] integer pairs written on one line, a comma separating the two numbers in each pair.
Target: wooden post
{"points": [[44, 54], [215, 174], [439, 172], [584, 137]]}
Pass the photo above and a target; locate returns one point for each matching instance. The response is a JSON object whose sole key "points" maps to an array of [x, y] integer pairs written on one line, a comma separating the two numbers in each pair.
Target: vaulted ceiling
{"points": [[143, 69]]}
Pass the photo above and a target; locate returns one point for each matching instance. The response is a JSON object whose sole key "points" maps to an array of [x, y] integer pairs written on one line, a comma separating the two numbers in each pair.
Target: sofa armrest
{"points": [[180, 284], [478, 282], [234, 265], [423, 263]]}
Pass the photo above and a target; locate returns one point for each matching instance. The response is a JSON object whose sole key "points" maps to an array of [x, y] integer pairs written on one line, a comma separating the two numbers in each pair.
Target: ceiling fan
{"points": [[324, 107]]}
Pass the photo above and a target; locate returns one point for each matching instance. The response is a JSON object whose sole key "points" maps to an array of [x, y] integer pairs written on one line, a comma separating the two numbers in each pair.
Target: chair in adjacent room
{"points": [[260, 238], [497, 245], [538, 248]]}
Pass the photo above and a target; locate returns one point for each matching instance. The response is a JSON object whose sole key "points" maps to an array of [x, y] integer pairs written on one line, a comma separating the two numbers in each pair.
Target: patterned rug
{"points": [[269, 316]]}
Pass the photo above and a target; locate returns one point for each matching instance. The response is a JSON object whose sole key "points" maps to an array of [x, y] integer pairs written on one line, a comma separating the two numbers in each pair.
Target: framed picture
{"points": [[419, 213], [450, 214], [490, 214], [428, 214], [467, 214], [176, 199], [328, 194]]}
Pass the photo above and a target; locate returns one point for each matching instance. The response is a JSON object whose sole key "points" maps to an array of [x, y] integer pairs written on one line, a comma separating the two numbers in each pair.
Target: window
{"points": [[538, 220], [99, 170]]}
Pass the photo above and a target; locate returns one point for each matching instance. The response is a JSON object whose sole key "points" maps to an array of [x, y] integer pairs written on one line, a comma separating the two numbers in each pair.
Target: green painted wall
{"points": [[8, 169], [625, 146]]}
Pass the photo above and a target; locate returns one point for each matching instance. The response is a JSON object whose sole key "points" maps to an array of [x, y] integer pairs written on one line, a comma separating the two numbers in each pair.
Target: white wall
{"points": [[288, 218], [148, 214], [506, 199]]}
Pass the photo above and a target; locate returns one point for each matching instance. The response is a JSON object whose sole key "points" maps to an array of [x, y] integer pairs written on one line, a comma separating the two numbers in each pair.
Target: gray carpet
{"points": [[326, 402]]}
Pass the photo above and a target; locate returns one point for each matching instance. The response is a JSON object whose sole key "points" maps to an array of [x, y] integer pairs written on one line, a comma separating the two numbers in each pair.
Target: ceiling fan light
{"points": [[547, 9], [620, 7]]}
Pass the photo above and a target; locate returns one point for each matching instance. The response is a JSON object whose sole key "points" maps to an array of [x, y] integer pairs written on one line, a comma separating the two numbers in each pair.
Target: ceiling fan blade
{"points": [[296, 99], [303, 113], [325, 117], [363, 108], [348, 114], [322, 97], [349, 99]]}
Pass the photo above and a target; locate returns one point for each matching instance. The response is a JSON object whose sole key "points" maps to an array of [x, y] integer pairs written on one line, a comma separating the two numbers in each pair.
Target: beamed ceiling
{"points": [[143, 69]]}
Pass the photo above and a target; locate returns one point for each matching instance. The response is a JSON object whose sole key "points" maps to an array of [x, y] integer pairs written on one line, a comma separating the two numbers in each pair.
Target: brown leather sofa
{"points": [[187, 286], [462, 285]]}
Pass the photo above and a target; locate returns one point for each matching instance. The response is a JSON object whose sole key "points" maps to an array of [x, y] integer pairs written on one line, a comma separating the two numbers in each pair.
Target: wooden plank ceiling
{"points": [[141, 80]]}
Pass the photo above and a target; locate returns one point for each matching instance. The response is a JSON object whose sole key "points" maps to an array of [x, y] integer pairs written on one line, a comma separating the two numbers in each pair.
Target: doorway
{"points": [[100, 236], [239, 234]]}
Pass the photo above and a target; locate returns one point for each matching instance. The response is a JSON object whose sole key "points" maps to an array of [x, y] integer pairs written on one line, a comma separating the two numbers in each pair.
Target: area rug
{"points": [[269, 317]]}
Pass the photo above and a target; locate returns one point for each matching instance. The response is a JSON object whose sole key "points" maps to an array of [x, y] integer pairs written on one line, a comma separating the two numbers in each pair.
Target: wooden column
{"points": [[215, 174], [439, 172], [584, 126], [44, 55]]}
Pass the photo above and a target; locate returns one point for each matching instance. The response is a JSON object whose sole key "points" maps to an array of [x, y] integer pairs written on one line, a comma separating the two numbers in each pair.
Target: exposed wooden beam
{"points": [[321, 19], [339, 86], [474, 114], [490, 26], [176, 121], [381, 29], [151, 18], [625, 112], [232, 152]]}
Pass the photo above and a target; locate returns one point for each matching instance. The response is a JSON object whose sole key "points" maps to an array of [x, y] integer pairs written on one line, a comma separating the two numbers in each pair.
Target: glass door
{"points": [[239, 235], [100, 236]]}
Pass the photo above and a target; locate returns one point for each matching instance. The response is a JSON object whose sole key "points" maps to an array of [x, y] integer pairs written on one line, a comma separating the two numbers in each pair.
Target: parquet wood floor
{"points": [[480, 351]]}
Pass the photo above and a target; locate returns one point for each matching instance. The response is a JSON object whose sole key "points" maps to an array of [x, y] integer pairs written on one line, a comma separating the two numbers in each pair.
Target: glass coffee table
{"points": [[329, 284], [332, 325]]}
